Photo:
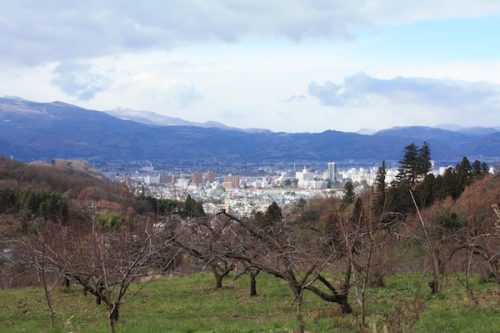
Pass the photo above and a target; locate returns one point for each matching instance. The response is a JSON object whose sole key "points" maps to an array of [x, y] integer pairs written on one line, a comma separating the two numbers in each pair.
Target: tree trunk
{"points": [[112, 325], [115, 312], [253, 285], [46, 289], [218, 280], [66, 282], [47, 297], [434, 285], [114, 315], [344, 304], [300, 319]]}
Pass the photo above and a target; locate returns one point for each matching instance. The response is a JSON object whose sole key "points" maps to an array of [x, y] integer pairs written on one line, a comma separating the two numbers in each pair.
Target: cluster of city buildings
{"points": [[244, 195]]}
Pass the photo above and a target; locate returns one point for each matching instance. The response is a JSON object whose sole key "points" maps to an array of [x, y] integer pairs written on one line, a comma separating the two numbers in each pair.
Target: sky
{"points": [[284, 65]]}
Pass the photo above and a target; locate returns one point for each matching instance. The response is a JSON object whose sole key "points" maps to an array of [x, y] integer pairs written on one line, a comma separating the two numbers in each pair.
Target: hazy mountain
{"points": [[155, 119], [31, 131], [366, 131], [151, 118], [487, 145], [450, 127], [426, 133], [477, 130]]}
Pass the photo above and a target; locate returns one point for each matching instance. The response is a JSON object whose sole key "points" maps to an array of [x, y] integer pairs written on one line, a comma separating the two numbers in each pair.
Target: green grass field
{"points": [[190, 304]]}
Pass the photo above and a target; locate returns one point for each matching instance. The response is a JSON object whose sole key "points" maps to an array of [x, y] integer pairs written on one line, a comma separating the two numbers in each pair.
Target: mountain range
{"points": [[43, 131]]}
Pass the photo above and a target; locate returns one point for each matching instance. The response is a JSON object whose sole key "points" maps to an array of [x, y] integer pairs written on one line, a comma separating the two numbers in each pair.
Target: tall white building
{"points": [[332, 172]]}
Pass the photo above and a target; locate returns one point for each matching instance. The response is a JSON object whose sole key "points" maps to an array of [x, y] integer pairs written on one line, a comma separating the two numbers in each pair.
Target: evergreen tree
{"points": [[425, 191], [476, 169], [380, 189], [464, 168], [398, 198], [193, 208], [189, 204], [273, 214], [453, 184], [424, 165], [349, 194], [485, 168], [440, 192], [408, 165], [357, 212], [464, 175]]}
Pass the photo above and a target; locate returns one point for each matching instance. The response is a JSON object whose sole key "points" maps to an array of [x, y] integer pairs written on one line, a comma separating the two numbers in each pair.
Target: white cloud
{"points": [[150, 90], [79, 80], [34, 31], [364, 90]]}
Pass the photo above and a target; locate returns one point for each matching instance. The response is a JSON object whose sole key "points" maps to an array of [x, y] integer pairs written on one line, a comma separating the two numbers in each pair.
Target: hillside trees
{"points": [[36, 204], [462, 230], [414, 174], [70, 179], [479, 238]]}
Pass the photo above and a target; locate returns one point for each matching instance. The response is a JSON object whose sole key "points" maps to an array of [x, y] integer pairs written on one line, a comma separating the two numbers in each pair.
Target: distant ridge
{"points": [[46, 131]]}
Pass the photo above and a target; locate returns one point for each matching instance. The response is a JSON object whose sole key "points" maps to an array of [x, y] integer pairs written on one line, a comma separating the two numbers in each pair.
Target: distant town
{"points": [[243, 191]]}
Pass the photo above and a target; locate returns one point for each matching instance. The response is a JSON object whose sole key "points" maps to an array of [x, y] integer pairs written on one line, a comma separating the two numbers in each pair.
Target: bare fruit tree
{"points": [[106, 262], [206, 239], [289, 253]]}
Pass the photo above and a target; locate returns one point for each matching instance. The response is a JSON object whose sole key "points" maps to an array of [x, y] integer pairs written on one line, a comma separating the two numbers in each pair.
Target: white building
{"points": [[303, 177], [152, 180]]}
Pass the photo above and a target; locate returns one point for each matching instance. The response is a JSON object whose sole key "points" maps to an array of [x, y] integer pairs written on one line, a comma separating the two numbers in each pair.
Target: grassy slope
{"points": [[189, 304]]}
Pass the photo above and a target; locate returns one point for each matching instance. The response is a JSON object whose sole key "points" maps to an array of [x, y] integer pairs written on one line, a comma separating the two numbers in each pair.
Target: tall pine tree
{"points": [[424, 165], [408, 165], [349, 193], [380, 188]]}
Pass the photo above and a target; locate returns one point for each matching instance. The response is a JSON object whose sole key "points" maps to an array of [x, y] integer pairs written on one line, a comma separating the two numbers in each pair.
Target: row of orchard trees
{"points": [[334, 249], [105, 261]]}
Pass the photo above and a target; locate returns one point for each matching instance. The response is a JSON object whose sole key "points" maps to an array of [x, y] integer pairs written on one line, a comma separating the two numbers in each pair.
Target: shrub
{"points": [[109, 220]]}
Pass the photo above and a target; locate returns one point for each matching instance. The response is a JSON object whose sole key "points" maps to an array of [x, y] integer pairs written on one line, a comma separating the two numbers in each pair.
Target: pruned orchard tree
{"points": [[206, 239], [105, 262], [374, 229], [275, 249], [252, 272], [299, 257]]}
